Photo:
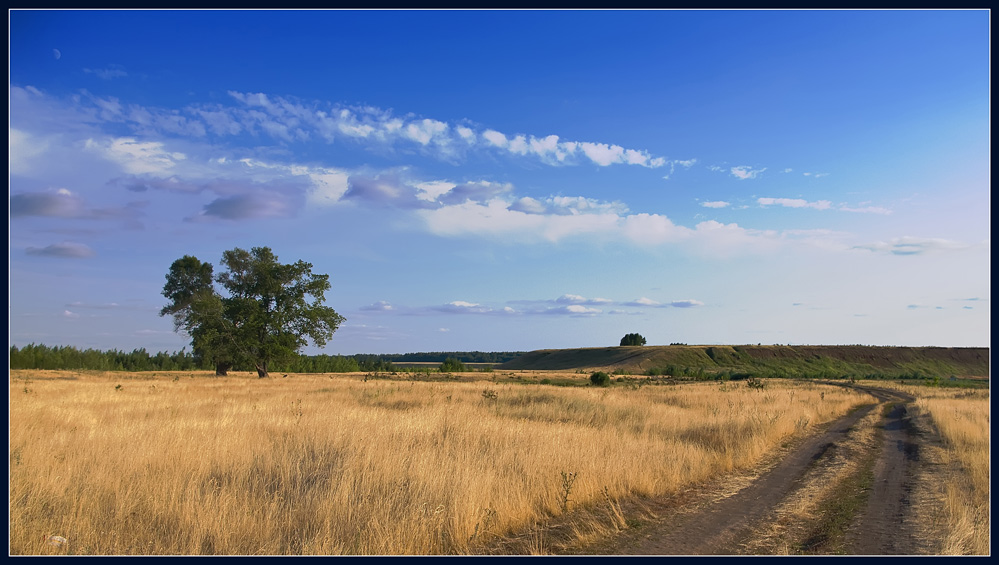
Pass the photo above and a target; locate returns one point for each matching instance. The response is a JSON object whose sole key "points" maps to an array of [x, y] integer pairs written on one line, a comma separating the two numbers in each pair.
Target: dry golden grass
{"points": [[962, 418], [311, 464]]}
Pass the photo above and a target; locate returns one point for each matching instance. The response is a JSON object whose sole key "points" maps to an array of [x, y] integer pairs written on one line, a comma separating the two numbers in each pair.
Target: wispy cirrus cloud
{"points": [[291, 120], [111, 72], [716, 204], [913, 246], [863, 208], [744, 172], [794, 203]]}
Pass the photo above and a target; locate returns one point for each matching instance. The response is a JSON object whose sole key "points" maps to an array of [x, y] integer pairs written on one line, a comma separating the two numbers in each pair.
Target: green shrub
{"points": [[600, 378], [452, 365]]}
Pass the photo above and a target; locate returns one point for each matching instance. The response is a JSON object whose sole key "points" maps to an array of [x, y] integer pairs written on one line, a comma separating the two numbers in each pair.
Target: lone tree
{"points": [[266, 315], [633, 339]]}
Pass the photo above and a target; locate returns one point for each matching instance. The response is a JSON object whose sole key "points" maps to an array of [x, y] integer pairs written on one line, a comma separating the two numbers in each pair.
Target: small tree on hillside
{"points": [[633, 339]]}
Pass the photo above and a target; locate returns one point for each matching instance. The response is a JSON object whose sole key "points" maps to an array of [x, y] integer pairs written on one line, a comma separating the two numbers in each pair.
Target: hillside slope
{"points": [[765, 360]]}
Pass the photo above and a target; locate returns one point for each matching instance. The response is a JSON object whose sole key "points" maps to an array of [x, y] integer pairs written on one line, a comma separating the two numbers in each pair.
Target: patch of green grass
{"points": [[828, 536]]}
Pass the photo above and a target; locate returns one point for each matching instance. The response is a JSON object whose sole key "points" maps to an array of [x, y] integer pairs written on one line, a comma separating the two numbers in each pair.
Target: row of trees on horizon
{"points": [[42, 356]]}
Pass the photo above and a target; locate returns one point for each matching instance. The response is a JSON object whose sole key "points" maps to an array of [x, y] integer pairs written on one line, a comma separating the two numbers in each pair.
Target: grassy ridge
{"points": [[768, 360]]}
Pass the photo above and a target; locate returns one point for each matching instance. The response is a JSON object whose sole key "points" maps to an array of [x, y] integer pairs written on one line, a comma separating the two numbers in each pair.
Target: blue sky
{"points": [[510, 180]]}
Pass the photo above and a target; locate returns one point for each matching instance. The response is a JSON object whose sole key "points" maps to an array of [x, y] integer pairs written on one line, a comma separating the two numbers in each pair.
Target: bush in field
{"points": [[600, 378], [452, 365]]}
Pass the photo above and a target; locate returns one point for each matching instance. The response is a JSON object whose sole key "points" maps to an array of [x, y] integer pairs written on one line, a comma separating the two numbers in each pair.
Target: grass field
{"points": [[312, 464], [962, 419]]}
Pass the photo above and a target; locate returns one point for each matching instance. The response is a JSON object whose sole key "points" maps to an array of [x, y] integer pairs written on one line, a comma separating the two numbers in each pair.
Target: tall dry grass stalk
{"points": [[962, 418], [316, 465]]}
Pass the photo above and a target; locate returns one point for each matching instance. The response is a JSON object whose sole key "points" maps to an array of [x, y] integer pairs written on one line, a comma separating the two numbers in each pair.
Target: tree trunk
{"points": [[222, 369], [262, 371]]}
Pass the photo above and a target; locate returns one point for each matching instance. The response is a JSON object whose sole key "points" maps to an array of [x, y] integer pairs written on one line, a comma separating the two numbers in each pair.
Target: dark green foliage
{"points": [[266, 317], [44, 357], [632, 339], [452, 365], [600, 378]]}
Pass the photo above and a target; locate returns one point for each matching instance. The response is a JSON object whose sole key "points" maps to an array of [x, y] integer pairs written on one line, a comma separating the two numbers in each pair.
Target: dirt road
{"points": [[846, 490]]}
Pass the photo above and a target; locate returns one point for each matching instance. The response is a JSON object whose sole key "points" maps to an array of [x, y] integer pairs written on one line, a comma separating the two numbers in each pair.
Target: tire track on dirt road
{"points": [[723, 527]]}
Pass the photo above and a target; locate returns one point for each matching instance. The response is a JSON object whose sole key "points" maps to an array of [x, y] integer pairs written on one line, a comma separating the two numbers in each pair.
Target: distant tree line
{"points": [[41, 356], [496, 357]]}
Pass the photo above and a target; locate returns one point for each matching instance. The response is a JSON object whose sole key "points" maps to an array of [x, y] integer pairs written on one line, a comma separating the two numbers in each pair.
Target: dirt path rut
{"points": [[720, 524]]}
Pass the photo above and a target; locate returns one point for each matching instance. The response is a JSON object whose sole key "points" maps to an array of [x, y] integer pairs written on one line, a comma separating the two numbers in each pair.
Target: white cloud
{"points": [[643, 301], [689, 303], [24, 149], [380, 306], [577, 299], [652, 229], [716, 204], [745, 172], [432, 190], [496, 138], [794, 203], [603, 154], [68, 314], [426, 130], [328, 186], [137, 157], [580, 310]]}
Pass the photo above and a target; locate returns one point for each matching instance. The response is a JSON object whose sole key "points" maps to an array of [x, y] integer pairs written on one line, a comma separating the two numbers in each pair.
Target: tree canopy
{"points": [[633, 339], [267, 312]]}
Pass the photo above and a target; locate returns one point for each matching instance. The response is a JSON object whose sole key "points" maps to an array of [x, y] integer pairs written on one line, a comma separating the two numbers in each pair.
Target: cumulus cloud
{"points": [[380, 306], [24, 151], [481, 191], [64, 250], [137, 157], [70, 315]]}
